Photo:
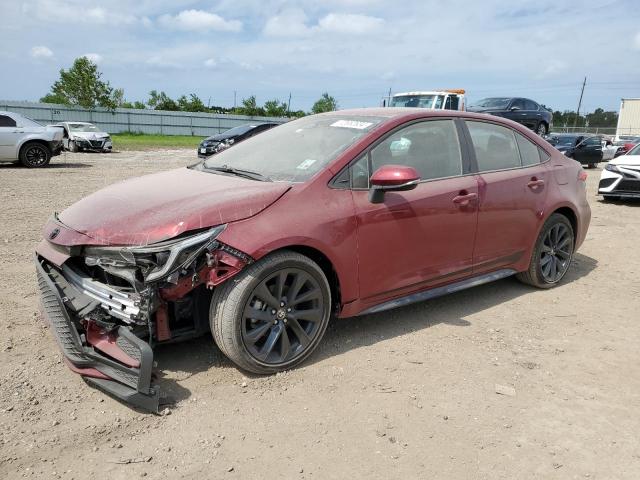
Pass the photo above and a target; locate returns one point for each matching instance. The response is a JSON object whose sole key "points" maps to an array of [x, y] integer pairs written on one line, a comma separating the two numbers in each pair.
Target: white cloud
{"points": [[94, 57], [196, 20], [210, 62], [289, 23], [349, 23], [41, 52]]}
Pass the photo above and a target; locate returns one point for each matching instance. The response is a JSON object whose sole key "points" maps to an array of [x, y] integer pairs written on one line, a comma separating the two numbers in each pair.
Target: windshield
{"points": [[419, 101], [232, 132], [562, 141], [634, 151], [83, 127], [296, 150], [493, 103]]}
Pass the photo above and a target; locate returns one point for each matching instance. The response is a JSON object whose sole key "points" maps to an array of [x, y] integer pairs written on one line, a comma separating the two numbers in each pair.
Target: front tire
{"points": [[272, 315], [35, 155], [552, 253], [73, 146]]}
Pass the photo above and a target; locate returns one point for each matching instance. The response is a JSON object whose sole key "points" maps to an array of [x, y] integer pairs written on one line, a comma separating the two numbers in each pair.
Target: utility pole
{"points": [[575, 122], [289, 103], [234, 98]]}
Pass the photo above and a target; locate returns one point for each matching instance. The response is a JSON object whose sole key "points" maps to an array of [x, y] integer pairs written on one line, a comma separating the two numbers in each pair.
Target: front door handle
{"points": [[464, 199], [535, 183]]}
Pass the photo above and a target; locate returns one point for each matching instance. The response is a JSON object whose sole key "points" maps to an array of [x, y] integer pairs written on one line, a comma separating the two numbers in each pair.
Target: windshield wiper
{"points": [[240, 173]]}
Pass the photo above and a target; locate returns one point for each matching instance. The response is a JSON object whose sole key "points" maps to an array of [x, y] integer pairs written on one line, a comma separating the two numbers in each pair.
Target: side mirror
{"points": [[392, 178], [513, 109]]}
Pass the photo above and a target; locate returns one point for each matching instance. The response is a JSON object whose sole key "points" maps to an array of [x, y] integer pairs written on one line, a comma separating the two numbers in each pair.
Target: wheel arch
{"points": [[570, 214], [29, 141], [325, 264]]}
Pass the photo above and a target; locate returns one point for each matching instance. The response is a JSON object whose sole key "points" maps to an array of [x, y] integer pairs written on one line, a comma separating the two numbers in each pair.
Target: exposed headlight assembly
{"points": [[612, 168], [156, 261]]}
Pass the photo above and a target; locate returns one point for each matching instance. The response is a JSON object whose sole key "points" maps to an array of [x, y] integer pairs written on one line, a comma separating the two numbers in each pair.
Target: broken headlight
{"points": [[156, 261]]}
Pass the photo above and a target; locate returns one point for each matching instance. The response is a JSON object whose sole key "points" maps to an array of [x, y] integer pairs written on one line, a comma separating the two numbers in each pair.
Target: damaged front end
{"points": [[109, 305]]}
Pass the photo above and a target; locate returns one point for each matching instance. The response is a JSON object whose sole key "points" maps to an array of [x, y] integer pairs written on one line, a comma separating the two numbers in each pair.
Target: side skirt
{"points": [[440, 291]]}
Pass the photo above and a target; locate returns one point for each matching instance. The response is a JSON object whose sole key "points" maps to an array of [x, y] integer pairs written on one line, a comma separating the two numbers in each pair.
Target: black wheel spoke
{"points": [[270, 343], [282, 278], [311, 315], [263, 293], [298, 282], [299, 332], [258, 332], [305, 297], [565, 255], [285, 344], [257, 314]]}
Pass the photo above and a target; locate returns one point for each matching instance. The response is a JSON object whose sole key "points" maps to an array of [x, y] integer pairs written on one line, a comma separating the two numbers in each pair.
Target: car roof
{"points": [[399, 113]]}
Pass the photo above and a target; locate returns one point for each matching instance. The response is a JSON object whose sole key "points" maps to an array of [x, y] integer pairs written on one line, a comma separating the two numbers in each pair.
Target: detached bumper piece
{"points": [[114, 360]]}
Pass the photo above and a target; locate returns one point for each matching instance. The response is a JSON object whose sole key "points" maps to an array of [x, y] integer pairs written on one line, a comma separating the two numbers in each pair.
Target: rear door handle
{"points": [[535, 183], [464, 199]]}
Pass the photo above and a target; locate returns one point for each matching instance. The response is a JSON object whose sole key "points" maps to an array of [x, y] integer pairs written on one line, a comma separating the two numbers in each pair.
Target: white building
{"points": [[629, 118]]}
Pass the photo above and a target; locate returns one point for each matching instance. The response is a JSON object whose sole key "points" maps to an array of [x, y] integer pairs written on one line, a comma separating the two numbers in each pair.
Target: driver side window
{"points": [[431, 147]]}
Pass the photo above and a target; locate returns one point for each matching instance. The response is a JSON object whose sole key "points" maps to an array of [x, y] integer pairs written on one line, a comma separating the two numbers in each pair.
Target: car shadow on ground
{"points": [[181, 361], [17, 166], [628, 202]]}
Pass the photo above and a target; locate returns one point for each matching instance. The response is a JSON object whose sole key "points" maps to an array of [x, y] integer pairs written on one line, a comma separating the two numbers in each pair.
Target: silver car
{"points": [[27, 141], [85, 136]]}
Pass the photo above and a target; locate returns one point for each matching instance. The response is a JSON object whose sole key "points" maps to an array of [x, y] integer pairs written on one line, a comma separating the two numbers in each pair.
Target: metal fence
{"points": [[610, 131], [122, 120]]}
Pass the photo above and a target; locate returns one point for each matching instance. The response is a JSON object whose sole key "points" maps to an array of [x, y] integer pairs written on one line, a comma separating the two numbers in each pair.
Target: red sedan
{"points": [[338, 214]]}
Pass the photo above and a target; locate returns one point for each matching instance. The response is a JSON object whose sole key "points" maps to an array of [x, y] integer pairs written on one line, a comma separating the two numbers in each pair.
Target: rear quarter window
{"points": [[529, 153]]}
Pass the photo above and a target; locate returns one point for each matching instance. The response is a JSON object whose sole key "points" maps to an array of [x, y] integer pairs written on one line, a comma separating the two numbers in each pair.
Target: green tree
{"points": [[191, 104], [249, 107], [326, 103], [81, 85], [275, 108], [161, 101]]}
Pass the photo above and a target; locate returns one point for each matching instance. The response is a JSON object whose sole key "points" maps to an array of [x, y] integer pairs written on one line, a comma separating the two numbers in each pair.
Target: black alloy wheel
{"points": [[556, 252], [35, 155], [282, 316], [273, 313], [552, 253]]}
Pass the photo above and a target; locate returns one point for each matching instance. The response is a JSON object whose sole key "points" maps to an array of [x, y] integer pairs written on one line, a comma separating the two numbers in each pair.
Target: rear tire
{"points": [[35, 155], [272, 315], [552, 253], [542, 129], [73, 146]]}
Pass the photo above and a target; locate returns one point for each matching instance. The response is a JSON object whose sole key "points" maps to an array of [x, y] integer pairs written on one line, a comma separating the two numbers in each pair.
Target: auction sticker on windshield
{"points": [[351, 124], [306, 164]]}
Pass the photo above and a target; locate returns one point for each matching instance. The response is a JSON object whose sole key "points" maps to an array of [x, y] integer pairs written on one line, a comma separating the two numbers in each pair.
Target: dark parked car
{"points": [[521, 110], [338, 214], [585, 148], [216, 143]]}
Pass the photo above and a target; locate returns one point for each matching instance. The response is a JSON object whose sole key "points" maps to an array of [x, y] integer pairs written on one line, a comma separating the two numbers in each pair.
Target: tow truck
{"points": [[451, 99]]}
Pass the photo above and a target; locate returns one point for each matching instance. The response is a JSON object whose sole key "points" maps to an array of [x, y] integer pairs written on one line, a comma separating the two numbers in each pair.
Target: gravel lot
{"points": [[404, 394]]}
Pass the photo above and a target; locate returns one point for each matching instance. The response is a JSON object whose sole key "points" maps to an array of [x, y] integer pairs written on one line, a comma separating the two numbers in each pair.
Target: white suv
{"points": [[22, 139]]}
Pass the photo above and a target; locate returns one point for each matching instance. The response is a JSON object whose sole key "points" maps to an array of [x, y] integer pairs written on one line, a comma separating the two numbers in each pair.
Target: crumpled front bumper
{"points": [[116, 361]]}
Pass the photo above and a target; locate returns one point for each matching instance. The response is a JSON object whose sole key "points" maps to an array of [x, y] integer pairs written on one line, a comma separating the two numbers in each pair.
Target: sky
{"points": [[356, 50]]}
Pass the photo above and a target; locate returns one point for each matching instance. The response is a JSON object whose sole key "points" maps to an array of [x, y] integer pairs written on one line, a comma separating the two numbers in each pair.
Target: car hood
{"points": [[633, 160], [160, 206], [90, 135]]}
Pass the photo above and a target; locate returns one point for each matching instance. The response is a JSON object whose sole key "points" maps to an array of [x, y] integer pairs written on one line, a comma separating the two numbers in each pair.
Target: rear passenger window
{"points": [[7, 121], [495, 146], [544, 156], [528, 151]]}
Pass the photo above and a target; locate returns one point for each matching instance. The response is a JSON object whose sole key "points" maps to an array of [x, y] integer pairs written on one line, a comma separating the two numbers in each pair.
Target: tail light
{"points": [[582, 175]]}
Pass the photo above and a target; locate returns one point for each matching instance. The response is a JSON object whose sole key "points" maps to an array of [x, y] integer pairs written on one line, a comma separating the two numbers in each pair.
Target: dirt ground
{"points": [[409, 393]]}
